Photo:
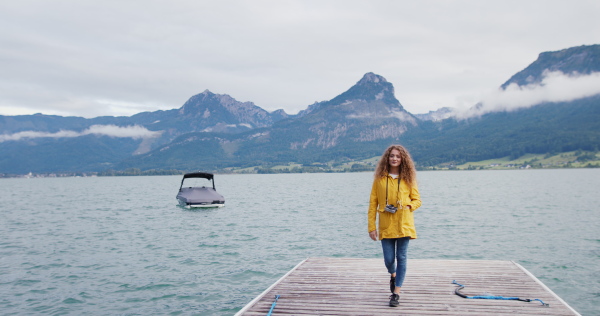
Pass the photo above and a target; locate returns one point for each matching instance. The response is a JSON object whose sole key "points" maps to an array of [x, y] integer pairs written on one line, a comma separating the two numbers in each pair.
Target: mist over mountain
{"points": [[561, 76], [437, 115], [575, 61], [550, 106]]}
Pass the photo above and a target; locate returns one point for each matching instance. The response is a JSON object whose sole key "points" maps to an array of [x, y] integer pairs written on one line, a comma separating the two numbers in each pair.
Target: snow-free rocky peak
{"points": [[371, 77], [371, 90]]}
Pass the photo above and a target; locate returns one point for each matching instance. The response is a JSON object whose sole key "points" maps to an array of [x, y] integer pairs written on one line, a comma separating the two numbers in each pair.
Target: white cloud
{"points": [[400, 115], [133, 131], [554, 87]]}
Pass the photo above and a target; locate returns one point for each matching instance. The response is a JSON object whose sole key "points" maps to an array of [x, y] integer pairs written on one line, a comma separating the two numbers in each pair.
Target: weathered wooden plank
{"points": [[353, 286]]}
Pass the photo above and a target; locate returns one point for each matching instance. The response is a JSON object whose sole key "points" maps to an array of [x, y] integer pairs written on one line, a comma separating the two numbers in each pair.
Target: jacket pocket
{"points": [[384, 221]]}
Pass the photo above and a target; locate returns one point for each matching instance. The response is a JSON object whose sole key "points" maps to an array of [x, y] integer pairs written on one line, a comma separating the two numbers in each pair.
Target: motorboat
{"points": [[199, 196]]}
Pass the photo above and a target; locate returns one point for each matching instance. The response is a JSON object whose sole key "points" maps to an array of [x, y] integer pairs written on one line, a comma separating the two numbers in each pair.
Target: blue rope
{"points": [[273, 305], [544, 304], [454, 282], [493, 297]]}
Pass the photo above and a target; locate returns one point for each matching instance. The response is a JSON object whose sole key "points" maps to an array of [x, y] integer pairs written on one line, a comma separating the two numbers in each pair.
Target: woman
{"points": [[394, 197]]}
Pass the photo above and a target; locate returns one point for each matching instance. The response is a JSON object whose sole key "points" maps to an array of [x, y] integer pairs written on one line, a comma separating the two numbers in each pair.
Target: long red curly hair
{"points": [[408, 173]]}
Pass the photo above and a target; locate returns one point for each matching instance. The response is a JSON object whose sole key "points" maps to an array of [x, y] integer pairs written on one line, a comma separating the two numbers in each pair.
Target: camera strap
{"points": [[387, 179]]}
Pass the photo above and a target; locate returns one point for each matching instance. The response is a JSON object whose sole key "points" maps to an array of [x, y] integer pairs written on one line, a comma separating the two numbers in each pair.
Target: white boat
{"points": [[199, 196]]}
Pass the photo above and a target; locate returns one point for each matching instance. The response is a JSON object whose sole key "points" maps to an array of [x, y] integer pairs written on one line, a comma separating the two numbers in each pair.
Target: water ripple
{"points": [[130, 250]]}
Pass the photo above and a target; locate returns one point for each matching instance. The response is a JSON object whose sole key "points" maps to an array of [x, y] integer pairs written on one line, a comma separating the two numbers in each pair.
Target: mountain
{"points": [[350, 125], [209, 112], [363, 120], [50, 143], [212, 131], [552, 127], [368, 111], [68, 154], [548, 127]]}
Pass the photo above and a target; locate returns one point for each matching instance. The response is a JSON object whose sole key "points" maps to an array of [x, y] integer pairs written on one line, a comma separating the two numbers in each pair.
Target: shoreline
{"points": [[566, 160], [95, 175]]}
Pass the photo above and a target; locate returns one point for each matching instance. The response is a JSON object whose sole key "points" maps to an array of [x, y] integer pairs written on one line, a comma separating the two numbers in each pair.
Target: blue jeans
{"points": [[394, 250]]}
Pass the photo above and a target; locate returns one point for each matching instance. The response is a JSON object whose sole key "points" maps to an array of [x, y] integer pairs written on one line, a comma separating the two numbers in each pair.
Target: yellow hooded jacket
{"points": [[393, 225]]}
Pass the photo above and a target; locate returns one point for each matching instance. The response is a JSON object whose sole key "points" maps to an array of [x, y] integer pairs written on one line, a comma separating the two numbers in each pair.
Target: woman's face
{"points": [[394, 159]]}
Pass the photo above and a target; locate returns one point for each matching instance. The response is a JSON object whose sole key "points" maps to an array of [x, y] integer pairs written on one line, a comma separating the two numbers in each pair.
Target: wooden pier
{"points": [[351, 286]]}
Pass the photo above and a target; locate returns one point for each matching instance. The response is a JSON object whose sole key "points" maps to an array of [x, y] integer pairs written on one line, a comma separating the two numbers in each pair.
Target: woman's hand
{"points": [[373, 235]]}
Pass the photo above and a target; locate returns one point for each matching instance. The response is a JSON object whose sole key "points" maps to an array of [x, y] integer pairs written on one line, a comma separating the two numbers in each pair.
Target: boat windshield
{"points": [[196, 182]]}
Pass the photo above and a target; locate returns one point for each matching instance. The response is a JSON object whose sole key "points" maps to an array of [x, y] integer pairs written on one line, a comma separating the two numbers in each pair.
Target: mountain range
{"points": [[215, 131]]}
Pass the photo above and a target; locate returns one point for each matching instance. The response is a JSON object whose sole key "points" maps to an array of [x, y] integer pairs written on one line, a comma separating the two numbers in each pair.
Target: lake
{"points": [[122, 246]]}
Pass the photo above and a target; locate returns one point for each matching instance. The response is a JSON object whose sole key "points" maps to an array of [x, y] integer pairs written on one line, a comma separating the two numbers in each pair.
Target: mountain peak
{"points": [[208, 111], [370, 88], [370, 77]]}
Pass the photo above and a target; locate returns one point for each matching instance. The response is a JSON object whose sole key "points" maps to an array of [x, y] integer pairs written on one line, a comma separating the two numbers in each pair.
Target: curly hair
{"points": [[407, 167]]}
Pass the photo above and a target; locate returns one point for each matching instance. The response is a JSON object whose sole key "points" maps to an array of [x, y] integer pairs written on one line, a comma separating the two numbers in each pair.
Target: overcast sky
{"points": [[92, 58]]}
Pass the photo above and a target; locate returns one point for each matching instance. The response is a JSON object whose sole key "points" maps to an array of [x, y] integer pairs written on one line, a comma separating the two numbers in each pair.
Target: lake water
{"points": [[121, 246]]}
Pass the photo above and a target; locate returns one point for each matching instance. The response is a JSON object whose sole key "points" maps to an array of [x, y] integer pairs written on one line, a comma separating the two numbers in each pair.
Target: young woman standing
{"points": [[394, 198]]}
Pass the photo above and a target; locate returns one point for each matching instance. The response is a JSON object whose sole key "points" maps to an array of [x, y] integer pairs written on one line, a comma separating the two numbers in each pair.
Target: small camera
{"points": [[390, 208]]}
